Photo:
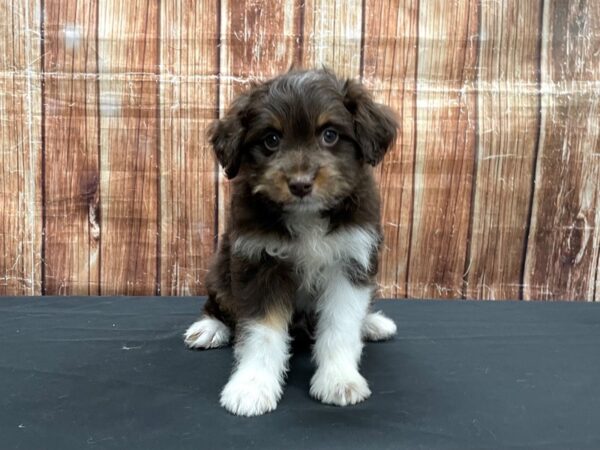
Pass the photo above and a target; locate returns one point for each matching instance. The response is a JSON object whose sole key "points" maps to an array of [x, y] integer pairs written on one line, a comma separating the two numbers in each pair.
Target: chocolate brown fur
{"points": [[297, 106]]}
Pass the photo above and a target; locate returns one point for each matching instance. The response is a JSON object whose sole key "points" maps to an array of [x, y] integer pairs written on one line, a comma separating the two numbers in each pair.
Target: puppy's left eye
{"points": [[329, 137], [272, 141]]}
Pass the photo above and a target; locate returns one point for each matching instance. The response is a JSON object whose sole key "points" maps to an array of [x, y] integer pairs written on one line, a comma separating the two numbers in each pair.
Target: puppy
{"points": [[302, 237]]}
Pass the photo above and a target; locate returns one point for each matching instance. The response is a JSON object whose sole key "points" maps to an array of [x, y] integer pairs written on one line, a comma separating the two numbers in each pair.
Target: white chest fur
{"points": [[312, 250]]}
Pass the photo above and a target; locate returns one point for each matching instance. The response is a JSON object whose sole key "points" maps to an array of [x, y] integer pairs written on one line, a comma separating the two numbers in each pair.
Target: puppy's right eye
{"points": [[272, 141], [329, 137]]}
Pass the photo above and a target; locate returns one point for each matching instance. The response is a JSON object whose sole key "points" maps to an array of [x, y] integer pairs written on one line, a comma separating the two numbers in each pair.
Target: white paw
{"points": [[378, 327], [251, 393], [207, 332], [341, 390]]}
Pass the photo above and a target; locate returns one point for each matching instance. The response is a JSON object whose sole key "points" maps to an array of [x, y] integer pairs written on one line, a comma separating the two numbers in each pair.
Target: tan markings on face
{"points": [[324, 118], [276, 124], [329, 182], [274, 184]]}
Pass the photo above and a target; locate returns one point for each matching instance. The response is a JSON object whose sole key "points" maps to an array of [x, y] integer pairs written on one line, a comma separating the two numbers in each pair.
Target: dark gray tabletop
{"points": [[114, 373]]}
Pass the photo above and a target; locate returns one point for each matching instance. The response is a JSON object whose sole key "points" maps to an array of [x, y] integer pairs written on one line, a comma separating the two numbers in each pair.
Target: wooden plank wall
{"points": [[189, 67], [21, 169], [564, 240], [507, 138], [71, 157], [444, 148], [108, 186]]}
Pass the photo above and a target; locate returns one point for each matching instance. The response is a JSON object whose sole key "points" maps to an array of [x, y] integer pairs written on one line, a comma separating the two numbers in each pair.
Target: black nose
{"points": [[300, 187]]}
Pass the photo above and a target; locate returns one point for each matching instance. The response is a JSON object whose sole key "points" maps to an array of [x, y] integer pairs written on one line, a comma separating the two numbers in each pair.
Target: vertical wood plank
{"points": [[259, 40], [128, 65], [188, 85], [508, 128], [20, 148], [332, 36], [597, 284], [445, 146], [71, 148], [389, 70], [564, 241]]}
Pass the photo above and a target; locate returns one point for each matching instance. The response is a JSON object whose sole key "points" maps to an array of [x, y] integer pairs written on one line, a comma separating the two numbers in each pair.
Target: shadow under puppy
{"points": [[302, 236]]}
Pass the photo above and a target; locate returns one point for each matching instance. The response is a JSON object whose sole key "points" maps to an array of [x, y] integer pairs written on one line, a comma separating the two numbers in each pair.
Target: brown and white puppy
{"points": [[302, 236]]}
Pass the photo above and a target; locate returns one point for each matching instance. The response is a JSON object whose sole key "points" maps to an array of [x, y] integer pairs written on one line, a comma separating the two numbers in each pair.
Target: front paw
{"points": [[339, 388], [251, 393], [207, 332], [378, 327]]}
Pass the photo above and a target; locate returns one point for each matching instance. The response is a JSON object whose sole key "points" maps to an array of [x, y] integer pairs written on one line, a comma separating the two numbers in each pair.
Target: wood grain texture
{"points": [[128, 66], [564, 240], [108, 185], [189, 58], [389, 71], [259, 40], [597, 283], [20, 148], [72, 237], [508, 129], [332, 36], [445, 146]]}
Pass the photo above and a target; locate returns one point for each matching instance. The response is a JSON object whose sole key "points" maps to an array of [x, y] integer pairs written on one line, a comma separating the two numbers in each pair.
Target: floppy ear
{"points": [[227, 136], [375, 125]]}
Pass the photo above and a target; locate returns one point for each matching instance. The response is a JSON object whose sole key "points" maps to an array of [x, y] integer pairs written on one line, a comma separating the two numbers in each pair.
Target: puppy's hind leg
{"points": [[378, 327], [208, 331]]}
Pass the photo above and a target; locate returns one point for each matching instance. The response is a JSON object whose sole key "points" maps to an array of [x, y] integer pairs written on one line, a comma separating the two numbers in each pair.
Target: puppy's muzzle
{"points": [[301, 186]]}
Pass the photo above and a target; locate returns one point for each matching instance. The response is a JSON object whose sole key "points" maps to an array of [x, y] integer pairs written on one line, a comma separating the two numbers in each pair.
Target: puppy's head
{"points": [[303, 139]]}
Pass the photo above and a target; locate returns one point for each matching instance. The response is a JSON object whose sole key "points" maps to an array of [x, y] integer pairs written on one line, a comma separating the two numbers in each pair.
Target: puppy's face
{"points": [[303, 138]]}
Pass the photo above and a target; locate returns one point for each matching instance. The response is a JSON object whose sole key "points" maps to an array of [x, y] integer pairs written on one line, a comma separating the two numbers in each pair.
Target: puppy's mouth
{"points": [[289, 201], [307, 203]]}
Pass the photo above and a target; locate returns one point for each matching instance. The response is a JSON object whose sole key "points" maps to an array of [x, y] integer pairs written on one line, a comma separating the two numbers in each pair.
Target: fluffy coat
{"points": [[302, 238]]}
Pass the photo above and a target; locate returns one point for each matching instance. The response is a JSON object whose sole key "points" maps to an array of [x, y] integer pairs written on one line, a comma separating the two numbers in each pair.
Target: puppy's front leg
{"points": [[341, 311], [262, 353]]}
